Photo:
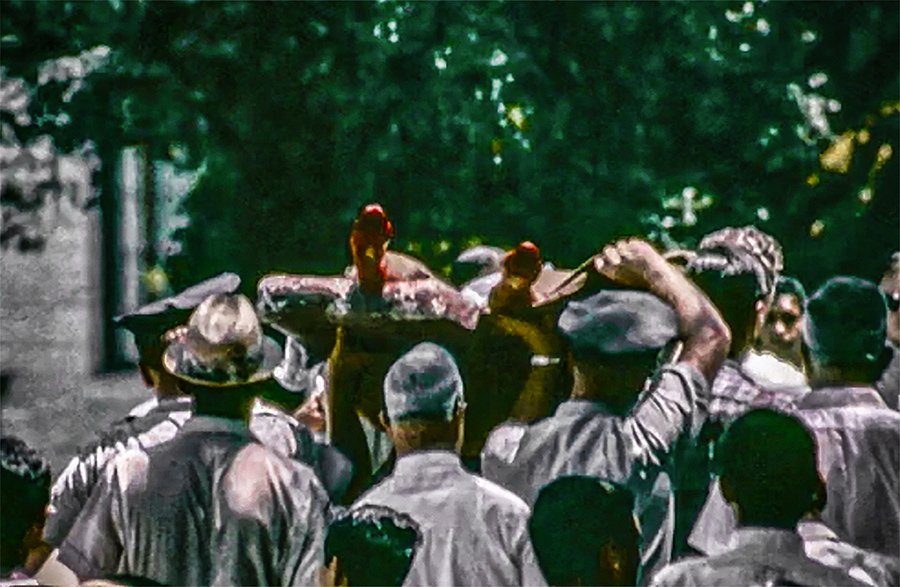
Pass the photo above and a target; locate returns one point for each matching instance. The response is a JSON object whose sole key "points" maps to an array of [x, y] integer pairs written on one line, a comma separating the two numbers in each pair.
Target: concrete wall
{"points": [[49, 342]]}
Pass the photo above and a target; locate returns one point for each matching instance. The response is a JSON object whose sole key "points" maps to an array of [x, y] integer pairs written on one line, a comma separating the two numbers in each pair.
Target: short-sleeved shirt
{"points": [[213, 506], [760, 556], [159, 421], [583, 438], [474, 531]]}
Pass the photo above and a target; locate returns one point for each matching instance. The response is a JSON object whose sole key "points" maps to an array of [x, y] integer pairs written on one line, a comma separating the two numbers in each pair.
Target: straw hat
{"points": [[223, 345]]}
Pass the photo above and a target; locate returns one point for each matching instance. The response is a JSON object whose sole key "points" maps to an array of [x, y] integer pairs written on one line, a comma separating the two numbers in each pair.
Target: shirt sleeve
{"points": [[72, 491], [93, 547], [640, 440]]}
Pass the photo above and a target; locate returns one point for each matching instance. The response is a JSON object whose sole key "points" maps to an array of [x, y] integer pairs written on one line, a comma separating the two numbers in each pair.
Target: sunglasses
{"points": [[893, 301]]}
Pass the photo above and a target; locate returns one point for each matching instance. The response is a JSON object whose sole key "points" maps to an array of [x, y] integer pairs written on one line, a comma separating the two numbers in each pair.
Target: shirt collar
{"points": [[412, 464], [839, 397], [815, 530], [769, 540], [215, 424]]}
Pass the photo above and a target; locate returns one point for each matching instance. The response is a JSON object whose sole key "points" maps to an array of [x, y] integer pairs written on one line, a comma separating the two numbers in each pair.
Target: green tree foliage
{"points": [[565, 123]]}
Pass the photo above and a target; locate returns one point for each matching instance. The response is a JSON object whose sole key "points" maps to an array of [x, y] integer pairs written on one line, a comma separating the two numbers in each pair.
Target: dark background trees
{"points": [[565, 123]]}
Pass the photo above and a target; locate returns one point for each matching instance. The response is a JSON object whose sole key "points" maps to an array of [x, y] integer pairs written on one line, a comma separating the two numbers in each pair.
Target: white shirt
{"points": [[474, 532], [858, 444], [858, 440], [761, 556], [822, 545], [211, 507], [583, 438]]}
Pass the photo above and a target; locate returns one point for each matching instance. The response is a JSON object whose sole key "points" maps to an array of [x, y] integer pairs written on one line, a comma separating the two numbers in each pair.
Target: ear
{"points": [[820, 497], [727, 490], [612, 562]]}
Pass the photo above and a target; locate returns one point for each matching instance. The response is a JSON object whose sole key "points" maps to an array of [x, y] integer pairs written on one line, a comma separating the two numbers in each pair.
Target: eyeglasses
{"points": [[893, 301]]}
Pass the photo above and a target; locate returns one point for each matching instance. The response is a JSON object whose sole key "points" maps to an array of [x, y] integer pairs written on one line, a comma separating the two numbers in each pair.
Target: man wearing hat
{"points": [[151, 423], [608, 429], [474, 532], [213, 506]]}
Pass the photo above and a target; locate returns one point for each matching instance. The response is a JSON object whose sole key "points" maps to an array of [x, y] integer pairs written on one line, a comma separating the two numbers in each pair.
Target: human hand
{"points": [[632, 263]]}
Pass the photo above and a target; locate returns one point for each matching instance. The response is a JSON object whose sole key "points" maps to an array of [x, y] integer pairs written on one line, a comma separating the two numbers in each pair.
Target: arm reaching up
{"points": [[634, 263]]}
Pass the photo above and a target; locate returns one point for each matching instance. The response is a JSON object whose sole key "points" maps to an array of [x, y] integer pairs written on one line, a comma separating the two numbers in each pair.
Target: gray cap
{"points": [[616, 322], [423, 383]]}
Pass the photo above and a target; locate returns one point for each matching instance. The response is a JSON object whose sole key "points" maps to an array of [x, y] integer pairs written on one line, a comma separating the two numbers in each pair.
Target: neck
{"points": [[227, 404], [417, 435], [598, 387], [833, 377]]}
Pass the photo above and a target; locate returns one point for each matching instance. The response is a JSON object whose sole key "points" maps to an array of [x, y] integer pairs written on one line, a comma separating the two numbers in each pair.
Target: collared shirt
{"points": [[474, 532], [822, 545], [760, 556], [858, 445], [211, 507], [583, 438], [858, 440], [733, 392], [74, 485]]}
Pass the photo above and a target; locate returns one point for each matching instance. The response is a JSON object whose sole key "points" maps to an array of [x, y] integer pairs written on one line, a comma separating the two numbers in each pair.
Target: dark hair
{"points": [[788, 286], [732, 284], [769, 460], [24, 495], [572, 519], [845, 325], [374, 545]]}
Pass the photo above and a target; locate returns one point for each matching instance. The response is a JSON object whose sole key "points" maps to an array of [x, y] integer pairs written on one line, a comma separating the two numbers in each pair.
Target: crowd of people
{"points": [[694, 419]]}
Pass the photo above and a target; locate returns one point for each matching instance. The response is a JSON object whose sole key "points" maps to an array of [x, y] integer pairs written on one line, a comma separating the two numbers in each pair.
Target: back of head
{"points": [[423, 384], [844, 326], [616, 337], [573, 519], [373, 545], [768, 460], [731, 280], [24, 495]]}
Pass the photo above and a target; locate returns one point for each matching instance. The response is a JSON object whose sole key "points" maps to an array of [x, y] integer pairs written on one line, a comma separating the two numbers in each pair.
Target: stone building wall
{"points": [[50, 342]]}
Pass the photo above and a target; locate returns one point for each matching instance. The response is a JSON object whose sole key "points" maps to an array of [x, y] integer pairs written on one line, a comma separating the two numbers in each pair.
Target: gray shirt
{"points": [[582, 438], [474, 532], [211, 507], [858, 444], [158, 422], [760, 556]]}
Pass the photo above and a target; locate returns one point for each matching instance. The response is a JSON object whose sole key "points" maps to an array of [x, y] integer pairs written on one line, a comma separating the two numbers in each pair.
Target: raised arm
{"points": [[634, 263]]}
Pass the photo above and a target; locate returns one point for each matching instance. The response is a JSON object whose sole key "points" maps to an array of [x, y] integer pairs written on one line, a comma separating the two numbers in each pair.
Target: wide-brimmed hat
{"points": [[150, 322], [223, 345]]}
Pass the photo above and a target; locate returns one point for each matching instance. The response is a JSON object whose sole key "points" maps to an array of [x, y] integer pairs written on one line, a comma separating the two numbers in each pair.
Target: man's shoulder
{"points": [[675, 573], [503, 442], [494, 495], [258, 475]]}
